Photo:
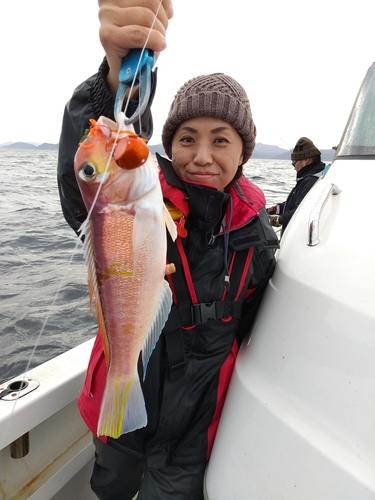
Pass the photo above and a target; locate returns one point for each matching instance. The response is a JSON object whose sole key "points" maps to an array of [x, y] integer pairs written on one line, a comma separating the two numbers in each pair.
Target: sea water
{"points": [[44, 306]]}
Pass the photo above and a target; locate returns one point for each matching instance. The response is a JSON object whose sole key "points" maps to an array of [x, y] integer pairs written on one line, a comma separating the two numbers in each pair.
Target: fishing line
{"points": [[124, 113], [139, 62], [50, 311], [286, 144], [49, 314]]}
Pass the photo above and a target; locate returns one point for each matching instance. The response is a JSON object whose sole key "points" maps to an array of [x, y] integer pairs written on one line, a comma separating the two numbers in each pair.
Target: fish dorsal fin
{"points": [[144, 220], [88, 252], [169, 222], [161, 316]]}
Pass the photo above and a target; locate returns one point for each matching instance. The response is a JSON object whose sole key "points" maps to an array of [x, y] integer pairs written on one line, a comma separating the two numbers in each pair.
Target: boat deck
{"points": [[78, 487]]}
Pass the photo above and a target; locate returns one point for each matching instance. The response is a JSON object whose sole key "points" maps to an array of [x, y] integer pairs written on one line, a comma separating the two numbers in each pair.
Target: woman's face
{"points": [[207, 150]]}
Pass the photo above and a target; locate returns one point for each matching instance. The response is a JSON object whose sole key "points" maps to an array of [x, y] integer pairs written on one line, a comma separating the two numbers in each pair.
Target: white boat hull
{"points": [[60, 445], [298, 421]]}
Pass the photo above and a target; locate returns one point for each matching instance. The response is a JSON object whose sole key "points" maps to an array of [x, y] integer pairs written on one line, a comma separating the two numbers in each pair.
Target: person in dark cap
{"points": [[224, 257], [306, 160]]}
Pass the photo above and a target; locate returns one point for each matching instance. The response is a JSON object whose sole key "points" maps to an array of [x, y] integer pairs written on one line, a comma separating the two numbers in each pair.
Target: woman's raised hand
{"points": [[126, 24]]}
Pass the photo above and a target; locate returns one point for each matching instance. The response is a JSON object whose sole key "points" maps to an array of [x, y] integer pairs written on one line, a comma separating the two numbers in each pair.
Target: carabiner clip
{"points": [[135, 70]]}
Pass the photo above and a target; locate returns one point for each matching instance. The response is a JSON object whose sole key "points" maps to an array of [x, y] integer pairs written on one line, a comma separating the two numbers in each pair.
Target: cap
{"points": [[215, 95], [304, 148]]}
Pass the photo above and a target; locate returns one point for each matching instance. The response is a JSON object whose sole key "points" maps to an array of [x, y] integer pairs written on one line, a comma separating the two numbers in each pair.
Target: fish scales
{"points": [[129, 298]]}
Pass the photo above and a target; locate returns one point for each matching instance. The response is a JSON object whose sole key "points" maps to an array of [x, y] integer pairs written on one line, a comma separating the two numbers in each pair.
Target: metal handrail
{"points": [[316, 212]]}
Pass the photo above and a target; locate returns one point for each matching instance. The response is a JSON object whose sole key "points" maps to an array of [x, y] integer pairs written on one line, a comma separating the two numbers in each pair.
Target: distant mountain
{"points": [[327, 155], [261, 151], [47, 145], [158, 148], [28, 145], [265, 151]]}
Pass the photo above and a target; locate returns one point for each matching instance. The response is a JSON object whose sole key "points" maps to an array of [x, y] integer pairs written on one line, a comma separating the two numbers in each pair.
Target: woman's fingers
{"points": [[128, 24]]}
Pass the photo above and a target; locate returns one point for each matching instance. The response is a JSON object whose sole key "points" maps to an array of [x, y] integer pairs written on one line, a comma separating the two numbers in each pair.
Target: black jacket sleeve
{"points": [[297, 195], [263, 264], [263, 260], [91, 99]]}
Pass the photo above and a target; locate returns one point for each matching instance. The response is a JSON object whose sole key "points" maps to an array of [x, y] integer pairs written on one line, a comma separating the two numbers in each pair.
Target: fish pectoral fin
{"points": [[169, 222], [143, 225], [161, 316]]}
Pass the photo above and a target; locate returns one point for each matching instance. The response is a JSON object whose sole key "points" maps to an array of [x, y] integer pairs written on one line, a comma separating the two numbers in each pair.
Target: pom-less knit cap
{"points": [[304, 149], [215, 95]]}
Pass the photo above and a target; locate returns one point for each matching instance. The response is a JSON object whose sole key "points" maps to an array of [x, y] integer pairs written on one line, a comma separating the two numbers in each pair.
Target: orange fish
{"points": [[125, 250]]}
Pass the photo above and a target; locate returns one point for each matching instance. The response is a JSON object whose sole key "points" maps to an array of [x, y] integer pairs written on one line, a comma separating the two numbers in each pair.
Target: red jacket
{"points": [[184, 414]]}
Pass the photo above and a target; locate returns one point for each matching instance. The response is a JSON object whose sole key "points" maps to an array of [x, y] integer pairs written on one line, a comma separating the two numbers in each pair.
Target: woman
{"points": [[224, 257]]}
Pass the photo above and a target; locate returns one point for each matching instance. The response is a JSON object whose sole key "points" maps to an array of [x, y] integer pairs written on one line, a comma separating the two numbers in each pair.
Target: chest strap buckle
{"points": [[203, 312]]}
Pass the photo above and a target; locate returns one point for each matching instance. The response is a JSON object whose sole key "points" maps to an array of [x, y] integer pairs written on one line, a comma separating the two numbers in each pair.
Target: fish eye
{"points": [[87, 171]]}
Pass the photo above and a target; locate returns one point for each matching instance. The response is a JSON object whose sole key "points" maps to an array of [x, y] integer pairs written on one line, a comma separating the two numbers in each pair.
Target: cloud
{"points": [[302, 68]]}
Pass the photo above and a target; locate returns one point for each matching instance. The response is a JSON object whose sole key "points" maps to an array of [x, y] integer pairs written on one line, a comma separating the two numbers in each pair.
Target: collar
{"points": [[310, 169], [207, 204]]}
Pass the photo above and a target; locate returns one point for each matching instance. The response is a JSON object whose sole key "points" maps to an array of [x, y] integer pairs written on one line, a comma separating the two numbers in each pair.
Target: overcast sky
{"points": [[301, 63]]}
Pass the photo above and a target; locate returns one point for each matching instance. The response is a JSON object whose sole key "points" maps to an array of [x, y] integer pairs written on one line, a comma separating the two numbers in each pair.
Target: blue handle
{"points": [[135, 70]]}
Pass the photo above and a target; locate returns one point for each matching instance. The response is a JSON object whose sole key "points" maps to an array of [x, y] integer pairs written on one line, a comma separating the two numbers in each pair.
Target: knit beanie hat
{"points": [[215, 95], [304, 149]]}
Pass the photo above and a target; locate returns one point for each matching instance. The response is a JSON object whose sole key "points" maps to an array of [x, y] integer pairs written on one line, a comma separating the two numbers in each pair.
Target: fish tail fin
{"points": [[123, 407]]}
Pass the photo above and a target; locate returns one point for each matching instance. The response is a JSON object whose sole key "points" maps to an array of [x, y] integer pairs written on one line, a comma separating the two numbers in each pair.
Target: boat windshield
{"points": [[359, 135]]}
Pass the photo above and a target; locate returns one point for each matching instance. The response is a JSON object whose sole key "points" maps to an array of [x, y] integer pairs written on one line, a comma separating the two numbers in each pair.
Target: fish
{"points": [[125, 245]]}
